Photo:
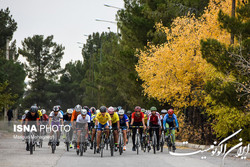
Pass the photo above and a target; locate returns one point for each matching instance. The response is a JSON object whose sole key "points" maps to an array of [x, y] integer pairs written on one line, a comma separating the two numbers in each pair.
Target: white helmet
{"points": [[78, 108], [97, 111], [70, 111], [121, 112], [43, 111], [163, 111], [26, 111], [84, 112]]}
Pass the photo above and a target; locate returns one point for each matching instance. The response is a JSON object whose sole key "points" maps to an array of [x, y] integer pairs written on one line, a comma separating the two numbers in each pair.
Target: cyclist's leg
{"points": [[133, 136], [124, 131], [78, 138], [106, 126], [167, 127], [173, 133], [157, 137], [99, 134]]}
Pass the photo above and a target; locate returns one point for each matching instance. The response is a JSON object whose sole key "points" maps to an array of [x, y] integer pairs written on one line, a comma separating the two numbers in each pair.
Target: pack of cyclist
{"points": [[95, 121]]}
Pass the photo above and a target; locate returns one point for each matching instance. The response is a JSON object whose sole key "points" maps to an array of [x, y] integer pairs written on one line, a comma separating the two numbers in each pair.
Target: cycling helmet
{"points": [[33, 109], [86, 107], [69, 111], [103, 109], [143, 110], [129, 112], [115, 109], [78, 108], [153, 108], [97, 111], [121, 112], [59, 107], [119, 107], [93, 110], [43, 111], [163, 111], [26, 111], [56, 108], [137, 108], [111, 110], [84, 111], [170, 112]]}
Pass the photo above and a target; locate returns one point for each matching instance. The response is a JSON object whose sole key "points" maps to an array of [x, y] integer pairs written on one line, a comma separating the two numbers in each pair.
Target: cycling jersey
{"points": [[56, 118], [167, 119], [32, 118], [45, 117], [80, 119], [40, 113], [93, 117], [145, 118], [115, 118], [103, 119], [154, 119], [74, 115], [124, 120], [136, 118]]}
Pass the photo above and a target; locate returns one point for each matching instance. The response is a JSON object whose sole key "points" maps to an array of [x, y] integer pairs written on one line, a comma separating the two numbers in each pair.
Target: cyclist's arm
{"points": [[50, 118], [96, 122], [143, 123], [164, 122], [159, 120], [132, 121], [110, 123], [118, 124], [148, 121], [176, 121]]}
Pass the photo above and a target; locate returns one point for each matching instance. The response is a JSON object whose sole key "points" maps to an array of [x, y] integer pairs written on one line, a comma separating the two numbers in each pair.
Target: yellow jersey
{"points": [[40, 113], [145, 119], [103, 119], [115, 118]]}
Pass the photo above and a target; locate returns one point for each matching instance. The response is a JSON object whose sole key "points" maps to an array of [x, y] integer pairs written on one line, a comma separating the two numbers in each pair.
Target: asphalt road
{"points": [[13, 153]]}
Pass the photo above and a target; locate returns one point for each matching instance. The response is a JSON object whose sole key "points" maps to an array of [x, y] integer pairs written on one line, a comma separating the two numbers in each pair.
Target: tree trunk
{"points": [[233, 15]]}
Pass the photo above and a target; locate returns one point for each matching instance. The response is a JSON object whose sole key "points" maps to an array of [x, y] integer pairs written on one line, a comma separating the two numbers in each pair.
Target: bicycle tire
{"points": [[95, 144], [137, 143], [81, 149], [112, 145], [67, 145], [120, 145], [53, 148], [154, 142], [102, 145], [162, 143], [31, 147]]}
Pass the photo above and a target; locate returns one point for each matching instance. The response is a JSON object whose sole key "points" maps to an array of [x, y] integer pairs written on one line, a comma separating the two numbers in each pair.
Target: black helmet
{"points": [[103, 109], [56, 108], [87, 108], [33, 109]]}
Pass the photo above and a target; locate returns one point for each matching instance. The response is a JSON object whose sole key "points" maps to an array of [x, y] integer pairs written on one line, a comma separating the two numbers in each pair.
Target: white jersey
{"points": [[80, 119], [56, 118], [24, 116]]}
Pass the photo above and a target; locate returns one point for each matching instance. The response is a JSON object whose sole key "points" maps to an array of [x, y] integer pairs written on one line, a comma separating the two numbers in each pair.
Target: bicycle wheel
{"points": [[53, 146], [102, 145], [120, 145], [67, 146], [162, 142], [81, 149], [154, 142], [31, 147], [137, 143], [169, 143], [112, 144], [41, 143]]}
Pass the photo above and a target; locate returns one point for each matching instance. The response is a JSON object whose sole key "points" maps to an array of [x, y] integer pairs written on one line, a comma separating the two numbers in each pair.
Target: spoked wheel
{"points": [[120, 146], [94, 147], [154, 143], [112, 144], [53, 146]]}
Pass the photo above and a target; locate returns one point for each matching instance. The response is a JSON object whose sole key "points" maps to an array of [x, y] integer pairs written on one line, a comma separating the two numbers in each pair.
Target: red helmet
{"points": [[170, 112], [137, 108], [111, 110]]}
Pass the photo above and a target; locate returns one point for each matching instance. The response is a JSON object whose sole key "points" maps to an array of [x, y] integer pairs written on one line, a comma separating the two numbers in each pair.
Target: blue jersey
{"points": [[89, 113], [167, 119], [124, 120], [62, 112]]}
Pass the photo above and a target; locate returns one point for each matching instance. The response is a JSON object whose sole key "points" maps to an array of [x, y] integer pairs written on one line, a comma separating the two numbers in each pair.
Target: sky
{"points": [[69, 21]]}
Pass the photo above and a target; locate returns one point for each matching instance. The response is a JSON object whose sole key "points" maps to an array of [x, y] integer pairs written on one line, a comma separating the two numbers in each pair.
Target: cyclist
{"points": [[93, 115], [75, 113], [115, 124], [124, 126], [168, 121], [163, 113], [145, 116], [154, 120], [32, 119], [137, 119], [102, 120], [67, 121], [24, 116], [82, 122], [55, 119]]}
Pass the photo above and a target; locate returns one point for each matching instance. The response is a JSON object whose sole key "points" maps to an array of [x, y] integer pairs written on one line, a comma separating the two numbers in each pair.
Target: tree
{"points": [[175, 71], [43, 67], [6, 98], [231, 94]]}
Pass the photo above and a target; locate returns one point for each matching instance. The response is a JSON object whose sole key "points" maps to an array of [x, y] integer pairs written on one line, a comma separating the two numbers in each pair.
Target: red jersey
{"points": [[45, 117], [137, 119], [154, 119]]}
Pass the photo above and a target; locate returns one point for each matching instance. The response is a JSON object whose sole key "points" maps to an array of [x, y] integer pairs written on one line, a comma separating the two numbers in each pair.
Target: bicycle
{"points": [[137, 143], [67, 139], [146, 144], [54, 140], [102, 141], [162, 140], [154, 138], [169, 139], [83, 143], [31, 142], [120, 139]]}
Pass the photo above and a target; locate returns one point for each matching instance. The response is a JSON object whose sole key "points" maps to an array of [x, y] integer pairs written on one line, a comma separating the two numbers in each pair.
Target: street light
{"points": [[110, 6], [107, 21]]}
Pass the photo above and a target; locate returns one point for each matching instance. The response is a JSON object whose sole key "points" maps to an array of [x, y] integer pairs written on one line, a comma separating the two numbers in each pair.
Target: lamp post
{"points": [[110, 6]]}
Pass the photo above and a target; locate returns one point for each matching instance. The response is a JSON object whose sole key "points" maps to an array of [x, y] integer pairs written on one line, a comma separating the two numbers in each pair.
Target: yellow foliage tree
{"points": [[175, 71]]}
